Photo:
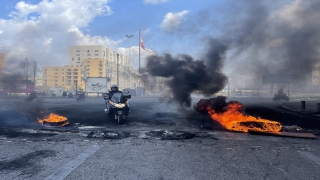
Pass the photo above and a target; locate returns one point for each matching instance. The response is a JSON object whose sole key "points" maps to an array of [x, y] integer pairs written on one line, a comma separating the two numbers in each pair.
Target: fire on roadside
{"points": [[54, 120], [231, 116]]}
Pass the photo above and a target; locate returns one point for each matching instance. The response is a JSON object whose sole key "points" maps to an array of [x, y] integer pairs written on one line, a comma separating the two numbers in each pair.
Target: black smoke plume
{"points": [[187, 75], [10, 81]]}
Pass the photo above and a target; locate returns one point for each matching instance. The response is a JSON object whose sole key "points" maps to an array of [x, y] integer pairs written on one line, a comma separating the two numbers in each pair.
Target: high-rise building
{"points": [[2, 63]]}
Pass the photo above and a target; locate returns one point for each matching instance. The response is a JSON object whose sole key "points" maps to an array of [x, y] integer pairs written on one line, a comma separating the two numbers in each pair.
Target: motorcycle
{"points": [[118, 106], [70, 95], [80, 97], [279, 97]]}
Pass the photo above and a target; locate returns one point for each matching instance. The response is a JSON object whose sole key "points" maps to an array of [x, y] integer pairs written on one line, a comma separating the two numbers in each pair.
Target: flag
{"points": [[141, 43]]}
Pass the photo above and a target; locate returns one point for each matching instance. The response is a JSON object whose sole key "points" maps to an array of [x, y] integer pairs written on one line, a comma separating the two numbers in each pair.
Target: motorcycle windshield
{"points": [[116, 97]]}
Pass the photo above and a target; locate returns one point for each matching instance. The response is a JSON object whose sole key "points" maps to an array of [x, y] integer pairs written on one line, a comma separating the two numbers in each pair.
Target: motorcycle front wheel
{"points": [[121, 118]]}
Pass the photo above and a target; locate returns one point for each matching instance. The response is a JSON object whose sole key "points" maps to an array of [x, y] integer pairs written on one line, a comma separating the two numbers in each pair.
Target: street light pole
{"points": [[27, 69], [118, 70], [129, 36]]}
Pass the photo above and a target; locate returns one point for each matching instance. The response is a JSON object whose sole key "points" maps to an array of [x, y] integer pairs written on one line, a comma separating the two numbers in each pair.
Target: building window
{"points": [[88, 51], [72, 59], [96, 54], [89, 54], [96, 50], [78, 59], [78, 55], [78, 51]]}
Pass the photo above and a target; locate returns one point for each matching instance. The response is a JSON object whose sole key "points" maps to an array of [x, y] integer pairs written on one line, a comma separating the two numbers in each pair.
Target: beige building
{"points": [[2, 63], [65, 77], [100, 62], [38, 81], [315, 78], [77, 54]]}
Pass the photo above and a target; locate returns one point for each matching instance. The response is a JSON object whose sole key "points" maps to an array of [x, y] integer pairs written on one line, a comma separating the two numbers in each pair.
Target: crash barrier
{"points": [[303, 105]]}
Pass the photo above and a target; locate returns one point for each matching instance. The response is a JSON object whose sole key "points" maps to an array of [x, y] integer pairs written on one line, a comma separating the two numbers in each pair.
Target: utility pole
{"points": [[26, 69], [129, 36], [107, 74], [241, 85], [228, 90], [76, 81], [34, 70], [139, 50]]}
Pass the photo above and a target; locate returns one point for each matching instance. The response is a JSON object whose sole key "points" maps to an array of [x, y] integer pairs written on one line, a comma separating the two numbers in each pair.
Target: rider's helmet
{"points": [[114, 87]]}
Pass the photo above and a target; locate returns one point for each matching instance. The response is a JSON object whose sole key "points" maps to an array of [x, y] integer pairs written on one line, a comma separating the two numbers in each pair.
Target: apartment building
{"points": [[38, 81], [78, 54], [315, 75], [100, 62], [2, 63], [63, 76]]}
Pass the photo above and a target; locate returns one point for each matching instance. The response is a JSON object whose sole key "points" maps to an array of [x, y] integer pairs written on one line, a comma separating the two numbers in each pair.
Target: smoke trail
{"points": [[10, 81], [187, 75], [263, 37], [283, 40]]}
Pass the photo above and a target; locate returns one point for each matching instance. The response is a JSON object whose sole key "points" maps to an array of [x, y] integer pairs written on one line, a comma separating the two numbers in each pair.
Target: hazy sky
{"points": [[256, 32]]}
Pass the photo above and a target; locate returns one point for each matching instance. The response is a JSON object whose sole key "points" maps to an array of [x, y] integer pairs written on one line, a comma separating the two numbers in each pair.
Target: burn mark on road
{"points": [[28, 164], [13, 134], [167, 135], [108, 134]]}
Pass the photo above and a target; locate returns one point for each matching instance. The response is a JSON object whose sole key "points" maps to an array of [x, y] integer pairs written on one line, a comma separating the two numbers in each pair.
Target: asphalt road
{"points": [[157, 141]]}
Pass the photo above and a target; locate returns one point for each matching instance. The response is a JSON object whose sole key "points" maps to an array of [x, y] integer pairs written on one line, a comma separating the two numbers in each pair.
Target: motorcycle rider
{"points": [[81, 94], [280, 92], [108, 96]]}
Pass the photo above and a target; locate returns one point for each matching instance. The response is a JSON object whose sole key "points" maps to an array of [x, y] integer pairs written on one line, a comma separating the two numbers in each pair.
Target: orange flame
{"points": [[233, 119], [54, 118]]}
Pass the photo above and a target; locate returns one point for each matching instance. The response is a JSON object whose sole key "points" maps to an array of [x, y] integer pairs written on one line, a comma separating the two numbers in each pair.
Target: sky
{"points": [[43, 30], [52, 26]]}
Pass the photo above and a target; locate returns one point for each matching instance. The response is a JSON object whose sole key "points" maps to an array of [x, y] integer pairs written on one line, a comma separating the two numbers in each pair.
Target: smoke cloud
{"points": [[186, 75], [283, 41], [262, 37]]}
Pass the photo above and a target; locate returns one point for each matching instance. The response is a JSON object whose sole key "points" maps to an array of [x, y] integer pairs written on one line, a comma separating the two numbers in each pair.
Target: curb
{"points": [[295, 110]]}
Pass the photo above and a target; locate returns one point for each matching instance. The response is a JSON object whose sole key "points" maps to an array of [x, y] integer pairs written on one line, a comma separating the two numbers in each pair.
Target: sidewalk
{"points": [[310, 107]]}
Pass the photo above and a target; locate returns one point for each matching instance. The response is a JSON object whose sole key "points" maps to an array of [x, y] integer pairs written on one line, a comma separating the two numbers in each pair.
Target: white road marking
{"points": [[310, 156], [66, 169]]}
